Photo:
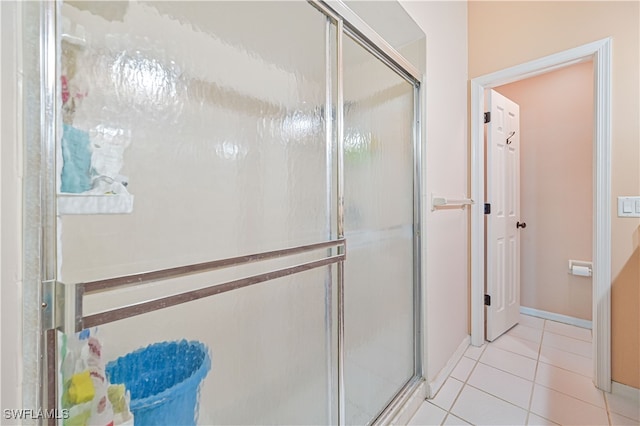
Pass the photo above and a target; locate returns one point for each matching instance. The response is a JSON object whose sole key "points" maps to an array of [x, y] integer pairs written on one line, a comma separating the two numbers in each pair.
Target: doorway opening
{"points": [[600, 53], [555, 193]]}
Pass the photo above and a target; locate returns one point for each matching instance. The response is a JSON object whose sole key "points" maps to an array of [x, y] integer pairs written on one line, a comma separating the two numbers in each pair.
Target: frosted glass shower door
{"points": [[379, 228], [192, 133], [214, 133]]}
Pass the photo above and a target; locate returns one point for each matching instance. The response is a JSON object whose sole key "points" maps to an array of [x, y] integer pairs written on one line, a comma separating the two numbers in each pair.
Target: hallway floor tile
{"points": [[538, 373]]}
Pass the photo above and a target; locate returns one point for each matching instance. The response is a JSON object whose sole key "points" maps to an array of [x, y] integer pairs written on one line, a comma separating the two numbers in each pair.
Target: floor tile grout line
{"points": [[574, 397], [497, 397], [538, 361], [488, 393], [535, 373], [509, 333], [505, 371], [449, 413], [606, 404], [623, 416], [564, 369], [559, 391], [463, 385], [557, 366], [568, 337], [448, 410], [569, 325], [446, 416], [569, 352], [563, 350], [517, 353]]}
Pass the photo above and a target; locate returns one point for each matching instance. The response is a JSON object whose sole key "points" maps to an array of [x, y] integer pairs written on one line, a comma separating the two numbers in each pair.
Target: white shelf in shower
{"points": [[95, 204]]}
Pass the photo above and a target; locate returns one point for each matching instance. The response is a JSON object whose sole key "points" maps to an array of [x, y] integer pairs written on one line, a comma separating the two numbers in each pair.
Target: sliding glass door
{"points": [[379, 227], [206, 123], [241, 176]]}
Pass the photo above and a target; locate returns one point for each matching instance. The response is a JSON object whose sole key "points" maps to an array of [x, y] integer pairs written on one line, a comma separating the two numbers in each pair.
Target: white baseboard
{"points": [[556, 317], [441, 377], [624, 390]]}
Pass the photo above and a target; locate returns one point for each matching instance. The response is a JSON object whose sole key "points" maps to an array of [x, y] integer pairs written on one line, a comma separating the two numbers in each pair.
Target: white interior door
{"points": [[503, 226]]}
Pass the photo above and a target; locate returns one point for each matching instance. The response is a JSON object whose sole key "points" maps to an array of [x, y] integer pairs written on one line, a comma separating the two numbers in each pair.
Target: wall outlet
{"points": [[628, 206]]}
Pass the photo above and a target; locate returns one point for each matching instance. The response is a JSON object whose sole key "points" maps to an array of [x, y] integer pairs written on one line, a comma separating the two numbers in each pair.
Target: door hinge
{"points": [[57, 301], [487, 300], [487, 117], [52, 304], [487, 208]]}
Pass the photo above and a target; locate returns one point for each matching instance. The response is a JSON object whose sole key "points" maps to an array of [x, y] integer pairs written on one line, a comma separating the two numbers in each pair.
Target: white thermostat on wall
{"points": [[628, 206]]}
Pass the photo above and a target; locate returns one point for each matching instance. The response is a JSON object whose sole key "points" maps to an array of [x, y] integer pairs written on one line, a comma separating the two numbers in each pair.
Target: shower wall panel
{"points": [[379, 285]]}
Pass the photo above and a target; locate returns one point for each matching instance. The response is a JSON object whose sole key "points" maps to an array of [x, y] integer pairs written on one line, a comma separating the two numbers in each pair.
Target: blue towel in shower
{"points": [[76, 157]]}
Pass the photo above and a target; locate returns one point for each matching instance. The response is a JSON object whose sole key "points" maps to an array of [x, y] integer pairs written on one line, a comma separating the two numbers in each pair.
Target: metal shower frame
{"points": [[61, 304]]}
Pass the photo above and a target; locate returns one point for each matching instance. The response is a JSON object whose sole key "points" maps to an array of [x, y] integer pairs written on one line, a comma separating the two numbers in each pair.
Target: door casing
{"points": [[600, 52]]}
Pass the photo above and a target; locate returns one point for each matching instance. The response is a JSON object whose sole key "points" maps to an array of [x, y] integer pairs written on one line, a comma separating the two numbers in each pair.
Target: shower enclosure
{"points": [[242, 174]]}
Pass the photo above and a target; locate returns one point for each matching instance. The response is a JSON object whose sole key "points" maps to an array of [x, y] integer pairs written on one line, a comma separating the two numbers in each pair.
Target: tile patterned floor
{"points": [[538, 373]]}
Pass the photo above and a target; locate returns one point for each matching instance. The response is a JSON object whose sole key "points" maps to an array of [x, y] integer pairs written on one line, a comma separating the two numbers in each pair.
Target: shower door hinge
{"points": [[52, 304], [487, 300], [487, 117], [487, 208], [61, 306]]}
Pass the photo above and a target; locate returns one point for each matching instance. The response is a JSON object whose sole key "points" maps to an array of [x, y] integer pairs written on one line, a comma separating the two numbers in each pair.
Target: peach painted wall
{"points": [[504, 34], [556, 187]]}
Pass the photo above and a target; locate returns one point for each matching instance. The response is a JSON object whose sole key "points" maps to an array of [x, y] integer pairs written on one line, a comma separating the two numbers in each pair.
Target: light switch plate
{"points": [[629, 206]]}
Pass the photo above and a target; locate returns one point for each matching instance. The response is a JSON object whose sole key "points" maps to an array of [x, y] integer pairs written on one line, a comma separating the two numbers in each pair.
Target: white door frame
{"points": [[600, 52]]}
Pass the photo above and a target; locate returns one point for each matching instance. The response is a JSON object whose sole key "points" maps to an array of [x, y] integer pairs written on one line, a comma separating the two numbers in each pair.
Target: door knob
{"points": [[521, 225]]}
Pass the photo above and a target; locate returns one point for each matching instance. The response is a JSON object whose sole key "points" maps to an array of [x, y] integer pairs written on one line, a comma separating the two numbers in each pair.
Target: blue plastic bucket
{"points": [[164, 380]]}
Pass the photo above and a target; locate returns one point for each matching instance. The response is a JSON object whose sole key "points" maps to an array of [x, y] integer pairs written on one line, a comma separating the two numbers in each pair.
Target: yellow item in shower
{"points": [[117, 397], [81, 388], [81, 419]]}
